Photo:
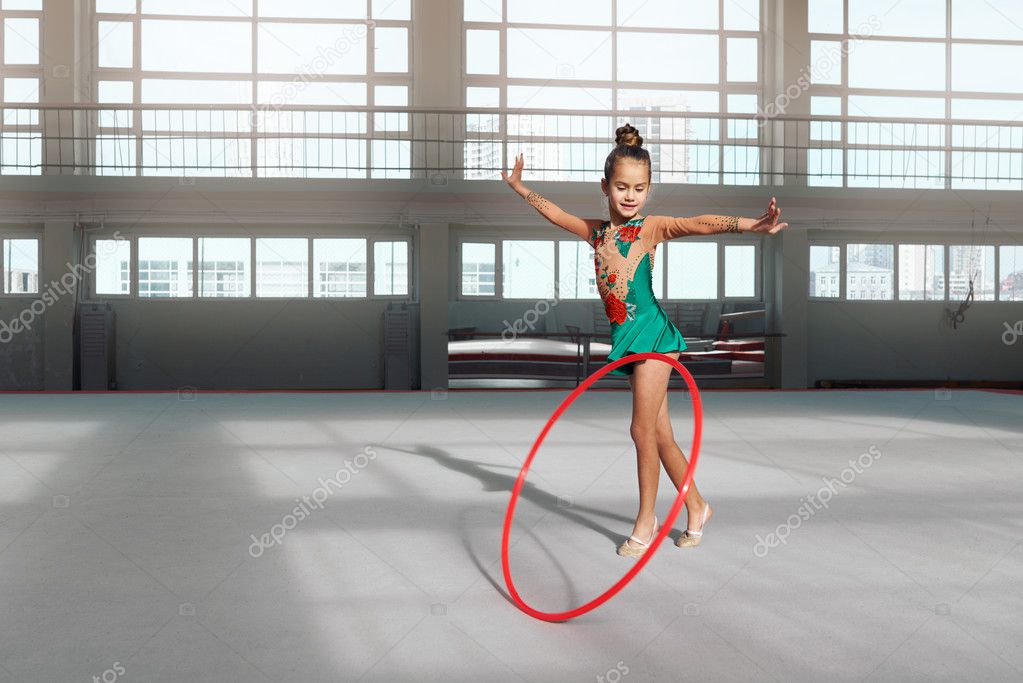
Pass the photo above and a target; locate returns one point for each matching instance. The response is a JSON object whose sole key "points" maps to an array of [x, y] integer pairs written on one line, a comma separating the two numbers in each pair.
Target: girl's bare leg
{"points": [[649, 383], [675, 463]]}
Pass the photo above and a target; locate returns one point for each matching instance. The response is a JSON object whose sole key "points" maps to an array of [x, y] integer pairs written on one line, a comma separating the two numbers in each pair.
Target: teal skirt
{"points": [[650, 329]]}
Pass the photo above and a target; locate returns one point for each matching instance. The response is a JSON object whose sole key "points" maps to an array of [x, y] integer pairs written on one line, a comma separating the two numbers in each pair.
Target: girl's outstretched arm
{"points": [[666, 227], [581, 227]]}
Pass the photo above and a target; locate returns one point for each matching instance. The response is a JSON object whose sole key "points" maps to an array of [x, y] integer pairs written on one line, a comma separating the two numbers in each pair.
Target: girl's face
{"points": [[628, 189]]}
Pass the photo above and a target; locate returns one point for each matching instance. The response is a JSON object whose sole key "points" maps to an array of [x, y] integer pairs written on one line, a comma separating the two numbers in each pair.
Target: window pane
{"points": [[742, 15], [693, 272], [553, 97], [527, 269], [580, 12], [826, 62], [482, 10], [740, 270], [400, 10], [313, 9], [113, 266], [921, 272], [212, 46], [21, 266], [826, 16], [971, 68], [224, 266], [115, 6], [115, 44], [391, 50], [482, 97], [559, 53], [340, 267], [390, 268], [824, 271], [483, 52], [700, 14], [21, 90], [209, 8], [667, 57], [165, 267], [303, 48], [21, 41], [670, 100], [742, 60], [898, 65], [987, 20], [1010, 272], [282, 267], [869, 271], [909, 18], [971, 262], [479, 267], [578, 278]]}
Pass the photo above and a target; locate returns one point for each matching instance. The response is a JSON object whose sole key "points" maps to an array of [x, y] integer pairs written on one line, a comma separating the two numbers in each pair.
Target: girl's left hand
{"points": [[769, 221]]}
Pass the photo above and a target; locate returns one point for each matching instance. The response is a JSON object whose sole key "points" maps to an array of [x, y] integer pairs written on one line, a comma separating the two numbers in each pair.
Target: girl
{"points": [[624, 249]]}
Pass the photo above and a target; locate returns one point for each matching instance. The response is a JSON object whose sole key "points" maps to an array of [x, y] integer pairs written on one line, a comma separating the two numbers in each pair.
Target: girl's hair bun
{"points": [[629, 136]]}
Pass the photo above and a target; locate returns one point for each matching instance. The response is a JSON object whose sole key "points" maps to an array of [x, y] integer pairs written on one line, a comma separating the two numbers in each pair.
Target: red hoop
{"points": [[665, 525]]}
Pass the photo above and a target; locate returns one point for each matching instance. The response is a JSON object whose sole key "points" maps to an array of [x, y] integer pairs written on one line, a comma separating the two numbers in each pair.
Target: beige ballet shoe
{"points": [[626, 550], [690, 538]]}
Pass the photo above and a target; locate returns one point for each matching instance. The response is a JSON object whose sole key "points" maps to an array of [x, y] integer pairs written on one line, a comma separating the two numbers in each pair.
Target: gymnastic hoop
{"points": [[665, 525]]}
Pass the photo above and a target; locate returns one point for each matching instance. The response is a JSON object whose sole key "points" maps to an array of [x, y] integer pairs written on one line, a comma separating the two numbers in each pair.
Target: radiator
{"points": [[397, 348], [96, 347]]}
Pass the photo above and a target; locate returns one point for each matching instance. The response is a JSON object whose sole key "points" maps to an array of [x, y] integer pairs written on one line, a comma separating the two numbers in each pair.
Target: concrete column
{"points": [[786, 68], [433, 277], [58, 320], [65, 77], [437, 82]]}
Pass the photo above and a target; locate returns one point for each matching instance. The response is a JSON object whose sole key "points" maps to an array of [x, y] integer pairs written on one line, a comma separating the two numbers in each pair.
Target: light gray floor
{"points": [[126, 525]]}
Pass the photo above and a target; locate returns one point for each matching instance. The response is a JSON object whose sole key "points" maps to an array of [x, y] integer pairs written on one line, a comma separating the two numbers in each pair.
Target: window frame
{"points": [[136, 75], [13, 233], [460, 294]]}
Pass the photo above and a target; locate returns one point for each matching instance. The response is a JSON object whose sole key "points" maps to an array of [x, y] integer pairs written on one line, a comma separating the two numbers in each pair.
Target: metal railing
{"points": [[466, 144]]}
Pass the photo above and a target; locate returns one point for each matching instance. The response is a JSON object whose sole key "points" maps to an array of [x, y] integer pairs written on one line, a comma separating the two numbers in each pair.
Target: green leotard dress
{"points": [[623, 259]]}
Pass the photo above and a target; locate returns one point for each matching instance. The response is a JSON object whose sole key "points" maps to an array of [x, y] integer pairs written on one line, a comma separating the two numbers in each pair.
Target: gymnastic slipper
{"points": [[690, 538], [626, 550]]}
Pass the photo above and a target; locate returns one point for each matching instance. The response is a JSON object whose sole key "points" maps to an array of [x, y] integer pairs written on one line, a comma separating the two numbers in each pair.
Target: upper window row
{"points": [[987, 20]]}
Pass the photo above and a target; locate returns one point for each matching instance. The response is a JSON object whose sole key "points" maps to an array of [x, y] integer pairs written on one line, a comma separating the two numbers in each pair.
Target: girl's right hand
{"points": [[515, 179]]}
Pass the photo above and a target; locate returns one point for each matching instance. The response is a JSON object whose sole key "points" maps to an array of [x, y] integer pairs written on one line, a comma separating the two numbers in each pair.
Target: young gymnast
{"points": [[624, 249]]}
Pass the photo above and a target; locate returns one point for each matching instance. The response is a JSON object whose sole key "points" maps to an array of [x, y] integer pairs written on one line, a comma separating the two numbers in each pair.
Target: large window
{"points": [[341, 267], [707, 270], [228, 267], [1010, 273], [926, 59], [165, 267], [262, 56], [922, 272], [642, 55], [19, 262], [479, 265], [20, 74], [870, 272]]}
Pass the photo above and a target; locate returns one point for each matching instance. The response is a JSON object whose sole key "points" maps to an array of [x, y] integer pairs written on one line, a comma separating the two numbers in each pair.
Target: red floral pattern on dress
{"points": [[615, 308], [612, 277], [629, 233]]}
